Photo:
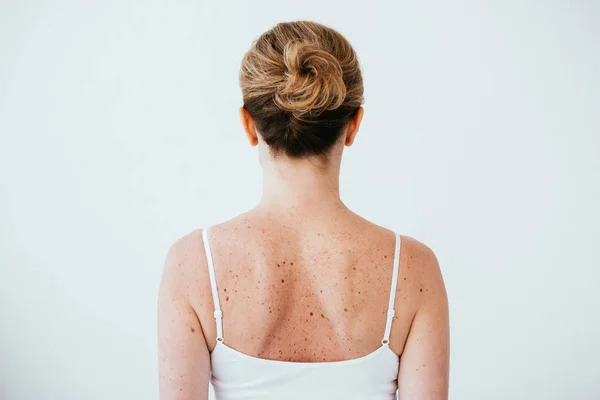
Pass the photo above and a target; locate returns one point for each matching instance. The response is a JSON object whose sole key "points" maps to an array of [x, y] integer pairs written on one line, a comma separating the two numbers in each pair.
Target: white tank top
{"points": [[235, 375]]}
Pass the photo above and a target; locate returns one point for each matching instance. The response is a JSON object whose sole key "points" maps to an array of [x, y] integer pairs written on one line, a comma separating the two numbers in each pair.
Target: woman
{"points": [[300, 297]]}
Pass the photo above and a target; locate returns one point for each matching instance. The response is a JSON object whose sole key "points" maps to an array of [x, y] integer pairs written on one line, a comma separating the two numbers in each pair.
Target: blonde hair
{"points": [[301, 82]]}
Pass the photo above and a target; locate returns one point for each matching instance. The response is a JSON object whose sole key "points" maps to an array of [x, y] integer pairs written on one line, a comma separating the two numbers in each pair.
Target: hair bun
{"points": [[313, 80]]}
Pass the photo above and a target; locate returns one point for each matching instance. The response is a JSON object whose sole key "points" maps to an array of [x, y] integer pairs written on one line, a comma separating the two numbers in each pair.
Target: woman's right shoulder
{"points": [[427, 342], [421, 256], [421, 268]]}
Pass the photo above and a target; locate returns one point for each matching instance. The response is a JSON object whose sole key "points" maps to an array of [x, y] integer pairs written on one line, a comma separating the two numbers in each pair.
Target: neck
{"points": [[303, 188]]}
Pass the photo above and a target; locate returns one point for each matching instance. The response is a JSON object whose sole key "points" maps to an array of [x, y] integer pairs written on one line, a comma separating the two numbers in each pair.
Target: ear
{"points": [[353, 125], [248, 126]]}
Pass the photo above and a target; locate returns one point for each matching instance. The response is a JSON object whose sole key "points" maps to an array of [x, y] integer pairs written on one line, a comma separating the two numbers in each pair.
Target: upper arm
{"points": [[183, 358], [424, 365]]}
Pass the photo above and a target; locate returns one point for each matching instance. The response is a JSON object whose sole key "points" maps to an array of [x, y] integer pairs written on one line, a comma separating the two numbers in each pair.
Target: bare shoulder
{"points": [[424, 366], [420, 273], [183, 358], [182, 261], [420, 260], [185, 249], [419, 252]]}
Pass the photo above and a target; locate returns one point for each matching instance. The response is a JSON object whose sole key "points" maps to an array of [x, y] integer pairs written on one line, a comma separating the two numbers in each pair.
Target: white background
{"points": [[119, 133]]}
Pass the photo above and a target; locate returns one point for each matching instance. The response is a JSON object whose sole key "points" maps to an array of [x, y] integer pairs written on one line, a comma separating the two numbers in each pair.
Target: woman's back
{"points": [[306, 290], [303, 306]]}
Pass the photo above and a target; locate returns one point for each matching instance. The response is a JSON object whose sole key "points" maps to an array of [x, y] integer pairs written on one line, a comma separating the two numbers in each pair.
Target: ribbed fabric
{"points": [[236, 375]]}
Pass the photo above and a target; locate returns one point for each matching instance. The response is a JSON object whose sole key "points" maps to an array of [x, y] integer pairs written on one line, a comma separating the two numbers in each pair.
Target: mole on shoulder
{"points": [[192, 329], [311, 314]]}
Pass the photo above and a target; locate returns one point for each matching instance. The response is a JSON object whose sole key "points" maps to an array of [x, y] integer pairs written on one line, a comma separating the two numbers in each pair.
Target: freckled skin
{"points": [[270, 320]]}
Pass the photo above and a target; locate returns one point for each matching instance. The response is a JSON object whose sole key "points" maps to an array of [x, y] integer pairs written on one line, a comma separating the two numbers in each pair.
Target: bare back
{"points": [[310, 291]]}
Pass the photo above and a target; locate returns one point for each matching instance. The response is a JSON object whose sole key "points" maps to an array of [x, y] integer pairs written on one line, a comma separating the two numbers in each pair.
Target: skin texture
{"points": [[301, 278]]}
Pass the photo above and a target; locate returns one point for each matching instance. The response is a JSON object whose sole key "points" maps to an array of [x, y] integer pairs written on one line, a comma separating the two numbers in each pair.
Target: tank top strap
{"points": [[391, 311], [213, 286]]}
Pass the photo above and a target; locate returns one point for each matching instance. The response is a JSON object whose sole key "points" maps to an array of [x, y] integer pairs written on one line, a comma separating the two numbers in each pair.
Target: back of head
{"points": [[301, 83]]}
